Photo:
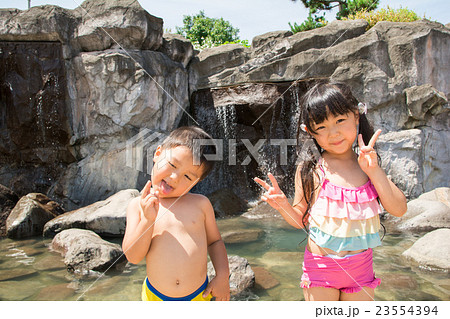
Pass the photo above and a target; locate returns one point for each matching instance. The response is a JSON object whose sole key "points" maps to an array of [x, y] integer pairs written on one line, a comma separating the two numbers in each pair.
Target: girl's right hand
{"points": [[149, 202], [273, 195]]}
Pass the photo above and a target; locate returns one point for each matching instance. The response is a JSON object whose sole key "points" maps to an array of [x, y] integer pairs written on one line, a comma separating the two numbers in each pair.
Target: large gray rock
{"points": [[113, 97], [84, 250], [402, 157], [423, 102], [432, 250], [241, 274], [116, 23], [428, 212], [107, 217], [94, 25], [41, 23], [177, 48], [30, 214]]}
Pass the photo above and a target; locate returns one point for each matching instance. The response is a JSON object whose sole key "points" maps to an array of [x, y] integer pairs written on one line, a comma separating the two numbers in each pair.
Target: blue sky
{"points": [[252, 17]]}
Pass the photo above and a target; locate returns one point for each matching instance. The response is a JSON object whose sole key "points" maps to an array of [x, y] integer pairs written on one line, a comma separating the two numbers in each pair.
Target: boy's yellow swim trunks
{"points": [[149, 293]]}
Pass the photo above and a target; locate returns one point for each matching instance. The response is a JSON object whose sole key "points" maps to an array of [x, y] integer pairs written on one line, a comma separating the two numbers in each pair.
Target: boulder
{"points": [[432, 250], [428, 212], [264, 279], [107, 217], [30, 214], [116, 23], [8, 199], [226, 203], [39, 23], [177, 48], [269, 41], [401, 157], [242, 236], [241, 274], [83, 251], [423, 102]]}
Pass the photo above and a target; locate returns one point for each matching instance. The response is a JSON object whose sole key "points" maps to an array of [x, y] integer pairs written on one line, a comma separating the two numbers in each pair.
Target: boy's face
{"points": [[174, 172]]}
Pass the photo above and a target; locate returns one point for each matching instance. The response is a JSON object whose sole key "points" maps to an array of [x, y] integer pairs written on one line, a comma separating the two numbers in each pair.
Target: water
{"points": [[30, 271]]}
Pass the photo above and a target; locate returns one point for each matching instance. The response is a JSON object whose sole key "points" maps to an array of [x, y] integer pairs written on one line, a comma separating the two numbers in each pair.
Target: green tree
{"points": [[345, 7], [205, 32]]}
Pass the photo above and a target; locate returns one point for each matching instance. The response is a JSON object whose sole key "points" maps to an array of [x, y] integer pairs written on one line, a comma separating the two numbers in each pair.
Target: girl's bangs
{"points": [[328, 103]]}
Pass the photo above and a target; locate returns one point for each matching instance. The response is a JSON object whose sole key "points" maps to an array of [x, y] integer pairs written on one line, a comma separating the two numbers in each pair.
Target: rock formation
{"points": [[30, 214], [84, 250], [87, 93]]}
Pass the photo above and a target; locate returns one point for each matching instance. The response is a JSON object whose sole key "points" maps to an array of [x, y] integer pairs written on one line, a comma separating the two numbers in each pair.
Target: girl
{"points": [[337, 195]]}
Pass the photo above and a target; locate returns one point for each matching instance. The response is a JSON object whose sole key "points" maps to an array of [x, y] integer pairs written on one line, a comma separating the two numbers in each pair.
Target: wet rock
{"points": [[30, 215], [241, 274], [82, 113], [242, 236], [8, 199], [177, 48], [49, 263], [84, 250], [16, 290], [16, 274], [264, 279], [226, 203], [106, 217], [429, 211], [432, 250], [398, 281], [55, 293]]}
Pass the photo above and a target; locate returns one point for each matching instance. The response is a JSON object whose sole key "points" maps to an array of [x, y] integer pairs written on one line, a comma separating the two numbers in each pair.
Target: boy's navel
{"points": [[178, 282]]}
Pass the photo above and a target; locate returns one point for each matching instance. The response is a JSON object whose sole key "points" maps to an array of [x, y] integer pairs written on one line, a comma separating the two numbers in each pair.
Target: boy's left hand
{"points": [[367, 158], [218, 288]]}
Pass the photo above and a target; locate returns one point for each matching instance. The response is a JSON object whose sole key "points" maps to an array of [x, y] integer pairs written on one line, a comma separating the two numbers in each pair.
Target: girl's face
{"points": [[337, 133]]}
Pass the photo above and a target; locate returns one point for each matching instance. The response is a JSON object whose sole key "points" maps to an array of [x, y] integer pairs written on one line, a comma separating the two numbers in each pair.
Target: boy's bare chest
{"points": [[178, 221]]}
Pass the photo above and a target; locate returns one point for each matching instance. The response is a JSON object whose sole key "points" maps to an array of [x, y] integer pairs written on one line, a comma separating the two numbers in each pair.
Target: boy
{"points": [[174, 229]]}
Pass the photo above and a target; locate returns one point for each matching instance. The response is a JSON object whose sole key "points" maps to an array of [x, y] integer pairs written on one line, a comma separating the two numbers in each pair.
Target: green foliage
{"points": [[244, 43], [389, 14], [346, 7], [353, 6], [309, 24], [205, 32]]}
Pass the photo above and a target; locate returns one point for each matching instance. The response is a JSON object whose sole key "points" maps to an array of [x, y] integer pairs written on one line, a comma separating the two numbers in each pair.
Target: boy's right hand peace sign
{"points": [[273, 195], [149, 202]]}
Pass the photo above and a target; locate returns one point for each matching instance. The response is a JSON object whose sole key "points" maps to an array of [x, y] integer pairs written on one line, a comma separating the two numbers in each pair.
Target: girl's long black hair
{"points": [[321, 100]]}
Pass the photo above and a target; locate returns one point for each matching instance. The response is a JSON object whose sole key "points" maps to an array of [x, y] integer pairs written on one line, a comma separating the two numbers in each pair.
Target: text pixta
{"points": [[337, 311]]}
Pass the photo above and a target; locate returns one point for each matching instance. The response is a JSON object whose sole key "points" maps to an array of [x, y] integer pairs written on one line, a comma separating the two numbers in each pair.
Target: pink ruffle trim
{"points": [[361, 194], [349, 290]]}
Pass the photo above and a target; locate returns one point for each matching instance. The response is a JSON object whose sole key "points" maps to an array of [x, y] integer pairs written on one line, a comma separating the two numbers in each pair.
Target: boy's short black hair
{"points": [[193, 137]]}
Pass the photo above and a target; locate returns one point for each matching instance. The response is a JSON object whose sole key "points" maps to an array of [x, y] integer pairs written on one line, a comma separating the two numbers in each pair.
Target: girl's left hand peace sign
{"points": [[367, 158]]}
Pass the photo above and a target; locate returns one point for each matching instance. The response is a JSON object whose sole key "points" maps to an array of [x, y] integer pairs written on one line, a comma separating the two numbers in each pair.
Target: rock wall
{"points": [[83, 88], [99, 74], [400, 70]]}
